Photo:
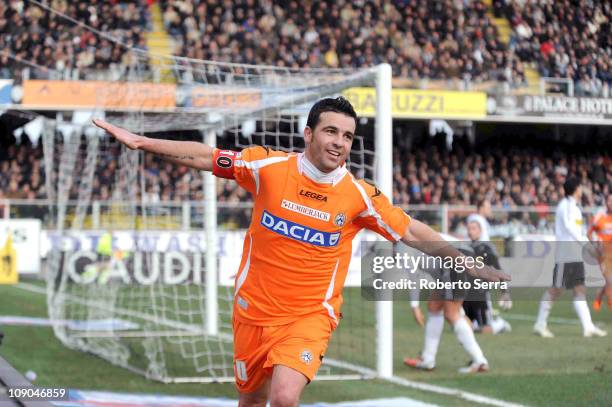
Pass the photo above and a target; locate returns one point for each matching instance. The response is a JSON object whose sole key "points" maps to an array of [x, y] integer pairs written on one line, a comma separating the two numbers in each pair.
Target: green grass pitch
{"points": [[565, 371]]}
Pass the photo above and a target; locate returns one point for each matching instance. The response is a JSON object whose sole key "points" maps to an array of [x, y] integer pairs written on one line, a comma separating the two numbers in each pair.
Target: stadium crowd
{"points": [[568, 39], [23, 176], [507, 176], [449, 40], [34, 37], [420, 39]]}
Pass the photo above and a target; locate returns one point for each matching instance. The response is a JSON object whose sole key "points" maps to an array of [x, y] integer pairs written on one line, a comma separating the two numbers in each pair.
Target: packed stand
{"points": [[53, 47], [508, 175], [523, 183], [23, 176], [450, 39], [568, 39]]}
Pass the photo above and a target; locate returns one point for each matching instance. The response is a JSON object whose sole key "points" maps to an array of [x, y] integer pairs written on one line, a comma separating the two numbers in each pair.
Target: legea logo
{"points": [[299, 232]]}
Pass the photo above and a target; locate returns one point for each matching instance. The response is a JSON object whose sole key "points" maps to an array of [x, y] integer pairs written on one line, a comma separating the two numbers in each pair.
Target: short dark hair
{"points": [[570, 186], [338, 105]]}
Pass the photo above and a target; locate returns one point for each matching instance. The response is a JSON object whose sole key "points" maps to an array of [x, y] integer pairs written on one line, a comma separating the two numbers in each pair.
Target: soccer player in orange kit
{"points": [[308, 207], [602, 227]]}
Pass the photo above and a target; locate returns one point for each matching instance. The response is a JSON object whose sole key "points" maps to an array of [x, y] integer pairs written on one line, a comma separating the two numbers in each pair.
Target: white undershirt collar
{"points": [[308, 169]]}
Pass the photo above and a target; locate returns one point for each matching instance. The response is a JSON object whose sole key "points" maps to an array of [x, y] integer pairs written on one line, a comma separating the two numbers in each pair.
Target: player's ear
{"points": [[307, 135]]}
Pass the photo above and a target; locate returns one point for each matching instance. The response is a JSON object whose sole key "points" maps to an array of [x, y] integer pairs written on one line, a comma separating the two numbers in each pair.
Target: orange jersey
{"points": [[602, 226], [297, 249]]}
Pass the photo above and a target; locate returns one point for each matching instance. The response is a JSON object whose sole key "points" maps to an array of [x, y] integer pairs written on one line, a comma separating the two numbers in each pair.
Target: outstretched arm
{"points": [[423, 238], [189, 153]]}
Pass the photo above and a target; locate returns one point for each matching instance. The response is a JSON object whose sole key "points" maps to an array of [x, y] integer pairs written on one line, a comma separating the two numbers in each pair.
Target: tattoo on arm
{"points": [[177, 157]]}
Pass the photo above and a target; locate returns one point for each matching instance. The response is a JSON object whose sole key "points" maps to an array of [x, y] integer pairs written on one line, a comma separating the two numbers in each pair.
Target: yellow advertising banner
{"points": [[8, 262], [428, 104], [100, 94]]}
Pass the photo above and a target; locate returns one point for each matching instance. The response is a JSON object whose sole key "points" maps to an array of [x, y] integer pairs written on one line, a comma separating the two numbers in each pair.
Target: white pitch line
{"points": [[32, 288], [532, 318], [448, 391]]}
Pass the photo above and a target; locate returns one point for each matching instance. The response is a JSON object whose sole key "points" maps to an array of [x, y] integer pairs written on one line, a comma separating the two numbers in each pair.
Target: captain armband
{"points": [[223, 163]]}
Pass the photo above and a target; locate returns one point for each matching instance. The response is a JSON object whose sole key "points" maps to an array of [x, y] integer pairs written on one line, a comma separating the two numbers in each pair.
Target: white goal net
{"points": [[141, 270]]}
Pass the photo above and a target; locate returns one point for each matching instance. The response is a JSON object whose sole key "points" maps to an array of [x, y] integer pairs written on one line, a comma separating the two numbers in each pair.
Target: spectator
{"points": [[445, 40], [420, 39], [567, 39], [506, 174], [35, 36]]}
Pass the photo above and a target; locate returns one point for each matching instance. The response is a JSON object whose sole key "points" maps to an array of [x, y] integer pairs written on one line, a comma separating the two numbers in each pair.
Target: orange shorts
{"points": [[299, 345]]}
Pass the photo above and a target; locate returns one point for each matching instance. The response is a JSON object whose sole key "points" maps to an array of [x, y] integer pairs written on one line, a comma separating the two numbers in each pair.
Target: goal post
{"points": [[210, 225], [384, 180], [156, 298]]}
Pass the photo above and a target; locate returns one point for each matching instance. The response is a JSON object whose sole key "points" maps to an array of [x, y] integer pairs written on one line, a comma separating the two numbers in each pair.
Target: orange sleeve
{"points": [[380, 215], [248, 164], [595, 226]]}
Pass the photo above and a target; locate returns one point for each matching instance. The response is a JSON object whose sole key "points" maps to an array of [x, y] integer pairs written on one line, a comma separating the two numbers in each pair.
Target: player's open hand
{"points": [[418, 316], [131, 140], [488, 273]]}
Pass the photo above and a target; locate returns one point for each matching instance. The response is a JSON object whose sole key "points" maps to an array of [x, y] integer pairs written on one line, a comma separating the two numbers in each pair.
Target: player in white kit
{"points": [[569, 267]]}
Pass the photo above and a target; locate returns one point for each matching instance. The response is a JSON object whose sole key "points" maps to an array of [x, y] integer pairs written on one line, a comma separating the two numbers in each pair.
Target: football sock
{"points": [[544, 311], [433, 332], [466, 338], [582, 309]]}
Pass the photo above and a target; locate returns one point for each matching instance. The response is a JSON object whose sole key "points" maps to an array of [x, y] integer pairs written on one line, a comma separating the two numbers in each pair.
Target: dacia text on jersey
{"points": [[299, 232]]}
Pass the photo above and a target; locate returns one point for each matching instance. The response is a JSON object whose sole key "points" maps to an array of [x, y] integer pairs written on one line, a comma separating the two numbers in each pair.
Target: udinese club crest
{"points": [[306, 356], [340, 219]]}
